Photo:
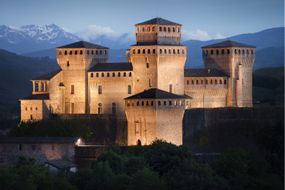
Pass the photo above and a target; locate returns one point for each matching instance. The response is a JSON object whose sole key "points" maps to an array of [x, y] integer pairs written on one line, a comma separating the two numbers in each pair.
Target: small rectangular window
{"points": [[99, 89], [72, 89], [129, 89]]}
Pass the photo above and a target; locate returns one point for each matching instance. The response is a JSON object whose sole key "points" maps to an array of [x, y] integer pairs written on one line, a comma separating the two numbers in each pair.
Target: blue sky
{"points": [[201, 19]]}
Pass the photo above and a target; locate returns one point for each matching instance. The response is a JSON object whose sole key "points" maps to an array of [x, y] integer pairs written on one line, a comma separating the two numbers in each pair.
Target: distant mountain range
{"points": [[41, 41]]}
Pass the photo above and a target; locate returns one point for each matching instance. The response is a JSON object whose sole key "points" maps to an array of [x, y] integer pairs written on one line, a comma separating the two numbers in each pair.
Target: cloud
{"points": [[200, 35], [95, 31]]}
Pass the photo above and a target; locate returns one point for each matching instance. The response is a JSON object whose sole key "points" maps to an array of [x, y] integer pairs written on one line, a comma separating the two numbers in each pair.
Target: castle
{"points": [[152, 89]]}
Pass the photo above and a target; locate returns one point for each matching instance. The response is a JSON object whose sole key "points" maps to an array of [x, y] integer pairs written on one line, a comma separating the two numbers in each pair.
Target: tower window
{"points": [[216, 82], [228, 51], [92, 52], [183, 51], [87, 52], [148, 51], [178, 51], [97, 74], [153, 51], [70, 53], [169, 30], [139, 51], [153, 28], [160, 29], [174, 51], [223, 51], [160, 51], [130, 74], [65, 52], [173, 29], [165, 51], [221, 82], [129, 89], [124, 74], [170, 88], [239, 51], [147, 65], [164, 103], [225, 81], [59, 53], [67, 64], [217, 52], [148, 29], [143, 51], [197, 81], [119, 74], [91, 75], [187, 82], [206, 81], [75, 52], [212, 52], [159, 103], [251, 51], [102, 74], [113, 74], [134, 51], [164, 29], [192, 81], [72, 89], [99, 89], [81, 52]]}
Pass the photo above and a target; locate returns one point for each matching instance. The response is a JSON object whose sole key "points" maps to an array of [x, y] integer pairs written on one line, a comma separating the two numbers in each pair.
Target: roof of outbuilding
{"points": [[204, 72], [36, 97], [159, 21], [83, 44], [47, 76], [112, 67], [228, 43], [155, 93], [36, 140]]}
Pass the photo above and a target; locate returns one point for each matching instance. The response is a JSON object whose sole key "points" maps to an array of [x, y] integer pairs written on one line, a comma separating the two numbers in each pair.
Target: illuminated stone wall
{"points": [[206, 92], [32, 110], [150, 119], [115, 86]]}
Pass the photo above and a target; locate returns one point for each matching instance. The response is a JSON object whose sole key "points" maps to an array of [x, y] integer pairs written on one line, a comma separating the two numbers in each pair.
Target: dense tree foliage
{"points": [[158, 166]]}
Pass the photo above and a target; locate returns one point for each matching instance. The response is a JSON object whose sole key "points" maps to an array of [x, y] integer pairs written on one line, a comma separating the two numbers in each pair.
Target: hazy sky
{"points": [[200, 18]]}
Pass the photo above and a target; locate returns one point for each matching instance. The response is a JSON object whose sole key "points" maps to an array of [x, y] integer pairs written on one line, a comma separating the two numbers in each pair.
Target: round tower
{"points": [[236, 60]]}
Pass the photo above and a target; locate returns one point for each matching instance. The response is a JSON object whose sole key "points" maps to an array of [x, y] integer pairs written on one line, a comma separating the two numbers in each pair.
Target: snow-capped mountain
{"points": [[33, 37]]}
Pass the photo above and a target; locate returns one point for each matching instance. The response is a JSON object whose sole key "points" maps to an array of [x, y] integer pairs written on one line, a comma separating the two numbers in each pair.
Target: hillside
{"points": [[16, 72]]}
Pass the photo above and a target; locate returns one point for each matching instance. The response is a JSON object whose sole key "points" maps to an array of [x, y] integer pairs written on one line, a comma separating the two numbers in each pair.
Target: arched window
{"points": [[70, 52], [216, 82], [164, 29], [173, 29], [169, 51], [124, 74], [113, 74], [65, 52], [147, 65], [174, 52], [81, 52], [223, 51], [87, 52], [160, 29], [217, 52], [139, 51], [212, 52], [97, 74], [139, 143], [75, 52], [243, 51], [153, 28], [197, 81], [114, 108], [92, 52], [134, 51], [169, 30], [143, 51], [165, 51], [148, 51], [91, 75], [119, 74], [160, 51], [130, 74], [148, 29], [221, 82], [225, 81], [100, 108], [108, 74], [228, 51], [153, 51], [67, 63], [159, 103], [178, 51], [239, 51], [102, 74]]}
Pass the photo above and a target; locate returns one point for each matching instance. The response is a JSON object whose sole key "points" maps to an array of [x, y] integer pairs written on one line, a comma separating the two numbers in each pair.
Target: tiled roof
{"points": [[36, 140], [112, 67], [83, 44], [36, 97], [155, 93], [47, 76], [159, 21], [204, 73], [228, 43]]}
